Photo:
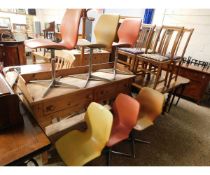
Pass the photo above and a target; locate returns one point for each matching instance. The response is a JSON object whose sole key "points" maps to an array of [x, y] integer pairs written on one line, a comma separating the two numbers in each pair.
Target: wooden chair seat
{"points": [[156, 57]]}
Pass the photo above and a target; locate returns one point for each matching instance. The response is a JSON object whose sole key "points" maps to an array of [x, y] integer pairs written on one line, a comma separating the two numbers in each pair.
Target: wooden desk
{"points": [[61, 102], [19, 144], [199, 80]]}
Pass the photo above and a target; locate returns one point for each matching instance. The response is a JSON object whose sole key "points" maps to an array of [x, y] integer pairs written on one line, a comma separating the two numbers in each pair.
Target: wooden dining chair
{"points": [[180, 52], [163, 56], [141, 46]]}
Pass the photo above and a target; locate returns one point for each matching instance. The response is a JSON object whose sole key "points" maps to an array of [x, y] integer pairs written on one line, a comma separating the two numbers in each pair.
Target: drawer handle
{"points": [[50, 108]]}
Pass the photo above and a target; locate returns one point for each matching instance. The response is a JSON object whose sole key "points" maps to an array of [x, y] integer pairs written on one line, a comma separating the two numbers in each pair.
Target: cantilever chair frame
{"points": [[161, 50]]}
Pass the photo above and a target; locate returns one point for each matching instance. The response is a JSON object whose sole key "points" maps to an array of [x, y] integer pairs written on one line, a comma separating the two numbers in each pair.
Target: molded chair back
{"points": [[126, 110], [70, 26], [77, 148], [99, 122], [129, 30], [151, 102], [105, 29]]}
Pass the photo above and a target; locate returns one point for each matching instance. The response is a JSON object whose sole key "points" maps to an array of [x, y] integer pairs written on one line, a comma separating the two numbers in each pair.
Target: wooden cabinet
{"points": [[12, 53], [199, 80]]}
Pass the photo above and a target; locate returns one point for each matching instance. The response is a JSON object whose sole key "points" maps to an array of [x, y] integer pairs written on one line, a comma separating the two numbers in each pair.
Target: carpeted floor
{"points": [[178, 138]]}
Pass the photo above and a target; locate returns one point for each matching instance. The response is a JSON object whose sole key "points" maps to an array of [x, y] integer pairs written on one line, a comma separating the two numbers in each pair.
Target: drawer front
{"points": [[193, 75], [105, 92], [75, 101], [124, 87], [193, 90]]}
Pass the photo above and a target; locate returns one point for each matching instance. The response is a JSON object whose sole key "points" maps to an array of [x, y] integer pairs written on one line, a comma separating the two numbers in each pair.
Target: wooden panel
{"points": [[19, 142], [73, 101]]}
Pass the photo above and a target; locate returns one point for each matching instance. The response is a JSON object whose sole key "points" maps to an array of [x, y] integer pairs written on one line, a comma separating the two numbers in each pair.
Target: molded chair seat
{"points": [[77, 148], [151, 107], [44, 43], [125, 109]]}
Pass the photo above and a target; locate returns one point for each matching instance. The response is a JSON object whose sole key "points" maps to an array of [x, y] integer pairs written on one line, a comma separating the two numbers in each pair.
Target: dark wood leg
{"points": [[157, 76]]}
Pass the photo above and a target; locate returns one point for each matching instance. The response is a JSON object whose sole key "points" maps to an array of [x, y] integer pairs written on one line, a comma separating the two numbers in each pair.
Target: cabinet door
{"points": [[11, 56]]}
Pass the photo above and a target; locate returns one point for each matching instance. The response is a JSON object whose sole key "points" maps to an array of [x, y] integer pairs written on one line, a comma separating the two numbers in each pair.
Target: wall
{"points": [[14, 18], [199, 19]]}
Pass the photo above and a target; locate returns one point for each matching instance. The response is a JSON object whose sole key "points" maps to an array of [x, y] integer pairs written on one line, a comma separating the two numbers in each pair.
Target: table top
{"points": [[139, 83], [17, 144]]}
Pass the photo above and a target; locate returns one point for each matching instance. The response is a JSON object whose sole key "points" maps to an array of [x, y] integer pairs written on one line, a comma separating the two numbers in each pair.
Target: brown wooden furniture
{"points": [[61, 102], [12, 53], [141, 46], [9, 106], [49, 31], [163, 56], [22, 143], [199, 80], [180, 52]]}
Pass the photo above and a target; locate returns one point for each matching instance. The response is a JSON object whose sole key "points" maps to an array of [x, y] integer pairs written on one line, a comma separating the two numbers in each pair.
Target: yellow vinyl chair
{"points": [[105, 32], [76, 148], [151, 102]]}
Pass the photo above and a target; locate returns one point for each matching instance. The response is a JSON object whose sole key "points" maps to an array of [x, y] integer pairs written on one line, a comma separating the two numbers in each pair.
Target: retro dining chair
{"points": [[105, 31], [69, 32], [125, 111], [127, 33], [151, 102], [76, 148]]}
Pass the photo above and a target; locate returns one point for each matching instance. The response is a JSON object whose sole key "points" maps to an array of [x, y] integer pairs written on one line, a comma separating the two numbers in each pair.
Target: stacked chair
{"points": [[127, 35], [105, 31], [69, 33]]}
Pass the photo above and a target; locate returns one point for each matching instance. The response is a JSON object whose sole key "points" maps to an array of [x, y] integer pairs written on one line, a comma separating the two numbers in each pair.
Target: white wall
{"points": [[127, 12], [199, 19], [14, 18]]}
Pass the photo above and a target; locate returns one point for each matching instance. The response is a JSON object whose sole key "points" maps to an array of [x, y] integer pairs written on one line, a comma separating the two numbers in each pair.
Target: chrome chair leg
{"points": [[54, 82], [115, 71]]}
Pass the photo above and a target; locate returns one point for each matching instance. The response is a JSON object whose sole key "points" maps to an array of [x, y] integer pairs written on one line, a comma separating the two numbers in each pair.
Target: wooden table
{"points": [[22, 143], [61, 102], [199, 80]]}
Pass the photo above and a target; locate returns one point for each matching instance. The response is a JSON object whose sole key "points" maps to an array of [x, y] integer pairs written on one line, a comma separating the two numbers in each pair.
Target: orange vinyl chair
{"points": [[151, 102], [127, 34], [125, 109], [69, 33], [77, 148]]}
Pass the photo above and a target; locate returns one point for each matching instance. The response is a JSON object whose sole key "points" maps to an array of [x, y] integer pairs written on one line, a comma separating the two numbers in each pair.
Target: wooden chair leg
{"points": [[45, 157], [157, 76], [33, 58], [171, 74]]}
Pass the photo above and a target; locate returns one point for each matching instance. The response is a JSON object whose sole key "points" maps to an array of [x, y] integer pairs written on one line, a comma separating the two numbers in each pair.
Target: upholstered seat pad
{"points": [[133, 50], [156, 57], [43, 43], [120, 44]]}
